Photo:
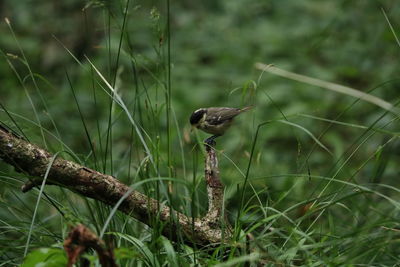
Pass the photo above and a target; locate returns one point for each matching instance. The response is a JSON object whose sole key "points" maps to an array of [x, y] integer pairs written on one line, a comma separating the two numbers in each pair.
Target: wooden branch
{"points": [[81, 239], [215, 189], [34, 161]]}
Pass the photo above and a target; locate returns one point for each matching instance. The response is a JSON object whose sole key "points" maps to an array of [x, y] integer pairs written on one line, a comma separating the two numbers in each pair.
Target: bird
{"points": [[215, 120]]}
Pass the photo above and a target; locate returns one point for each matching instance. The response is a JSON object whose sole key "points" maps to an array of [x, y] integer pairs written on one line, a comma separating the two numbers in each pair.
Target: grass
{"points": [[311, 176]]}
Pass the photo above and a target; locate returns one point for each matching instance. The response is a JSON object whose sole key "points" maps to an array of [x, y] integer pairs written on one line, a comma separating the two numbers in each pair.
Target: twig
{"points": [[215, 189], [80, 239]]}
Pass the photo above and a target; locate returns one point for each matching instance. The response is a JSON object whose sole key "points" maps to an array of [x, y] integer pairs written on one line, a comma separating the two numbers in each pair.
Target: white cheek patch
{"points": [[204, 117]]}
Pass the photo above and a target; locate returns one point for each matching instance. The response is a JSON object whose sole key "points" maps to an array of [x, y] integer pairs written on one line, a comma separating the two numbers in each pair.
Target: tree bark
{"points": [[34, 161]]}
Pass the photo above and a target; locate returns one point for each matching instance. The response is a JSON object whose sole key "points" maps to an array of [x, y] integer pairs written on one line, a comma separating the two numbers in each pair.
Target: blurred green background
{"points": [[214, 46]]}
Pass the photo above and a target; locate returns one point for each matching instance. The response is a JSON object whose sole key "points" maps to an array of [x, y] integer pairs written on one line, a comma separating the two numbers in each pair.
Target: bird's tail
{"points": [[246, 108]]}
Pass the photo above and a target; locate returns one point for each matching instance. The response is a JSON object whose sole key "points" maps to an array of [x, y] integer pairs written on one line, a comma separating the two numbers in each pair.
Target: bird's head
{"points": [[197, 117]]}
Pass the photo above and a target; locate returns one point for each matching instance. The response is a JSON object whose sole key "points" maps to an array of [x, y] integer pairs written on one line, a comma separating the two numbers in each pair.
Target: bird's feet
{"points": [[210, 141]]}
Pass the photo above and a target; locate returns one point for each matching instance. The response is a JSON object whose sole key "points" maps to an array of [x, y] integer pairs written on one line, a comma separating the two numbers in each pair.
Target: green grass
{"points": [[311, 175]]}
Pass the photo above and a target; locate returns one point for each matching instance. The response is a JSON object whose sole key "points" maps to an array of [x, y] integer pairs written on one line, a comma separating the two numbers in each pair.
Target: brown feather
{"points": [[216, 116]]}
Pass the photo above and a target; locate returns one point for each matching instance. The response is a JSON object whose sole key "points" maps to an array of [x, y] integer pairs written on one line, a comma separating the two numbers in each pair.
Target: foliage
{"points": [[301, 204], [46, 257]]}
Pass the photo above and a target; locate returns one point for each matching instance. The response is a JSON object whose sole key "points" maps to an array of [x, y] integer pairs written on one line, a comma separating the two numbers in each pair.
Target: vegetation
{"points": [[311, 175]]}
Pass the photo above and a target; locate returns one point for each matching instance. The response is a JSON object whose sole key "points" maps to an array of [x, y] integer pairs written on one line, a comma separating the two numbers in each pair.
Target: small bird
{"points": [[215, 121]]}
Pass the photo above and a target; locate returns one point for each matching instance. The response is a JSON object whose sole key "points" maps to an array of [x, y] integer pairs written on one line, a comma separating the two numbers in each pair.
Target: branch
{"points": [[80, 239], [215, 189], [34, 161]]}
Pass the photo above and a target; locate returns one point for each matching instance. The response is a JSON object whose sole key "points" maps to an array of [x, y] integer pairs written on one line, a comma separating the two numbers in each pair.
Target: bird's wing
{"points": [[216, 116]]}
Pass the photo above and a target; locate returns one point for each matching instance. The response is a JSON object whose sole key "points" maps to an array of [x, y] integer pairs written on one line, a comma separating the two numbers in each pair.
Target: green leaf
{"points": [[145, 254], [125, 253], [45, 257]]}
